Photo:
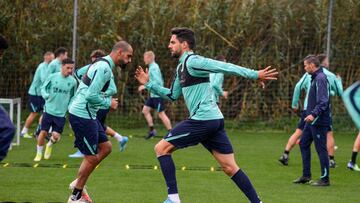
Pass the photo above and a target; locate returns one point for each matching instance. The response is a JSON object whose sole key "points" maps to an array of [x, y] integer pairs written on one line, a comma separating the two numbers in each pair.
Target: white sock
{"points": [[118, 137], [24, 130], [51, 142], [39, 149], [174, 197]]}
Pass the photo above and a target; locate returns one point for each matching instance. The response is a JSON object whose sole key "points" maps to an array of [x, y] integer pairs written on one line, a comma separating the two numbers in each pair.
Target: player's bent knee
{"points": [[230, 170], [162, 148]]}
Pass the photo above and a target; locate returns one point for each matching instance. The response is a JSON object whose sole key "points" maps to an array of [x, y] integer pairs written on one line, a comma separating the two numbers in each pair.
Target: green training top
{"points": [[88, 99], [58, 91], [216, 81], [336, 87], [38, 80], [155, 76], [109, 92], [351, 98], [54, 66], [199, 98]]}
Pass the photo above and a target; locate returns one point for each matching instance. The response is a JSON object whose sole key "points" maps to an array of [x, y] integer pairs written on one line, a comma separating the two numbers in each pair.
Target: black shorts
{"points": [[101, 117], [36, 103], [88, 134], [155, 103], [301, 124], [57, 123], [211, 134]]}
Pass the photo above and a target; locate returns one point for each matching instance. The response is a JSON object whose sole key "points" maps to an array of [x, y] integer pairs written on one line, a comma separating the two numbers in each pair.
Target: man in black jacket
{"points": [[318, 121]]}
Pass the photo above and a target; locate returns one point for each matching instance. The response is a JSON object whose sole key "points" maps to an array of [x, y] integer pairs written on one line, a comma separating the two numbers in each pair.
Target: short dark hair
{"points": [[60, 50], [67, 61], [3, 43], [185, 34], [312, 59], [321, 57], [123, 45], [97, 53], [220, 58]]}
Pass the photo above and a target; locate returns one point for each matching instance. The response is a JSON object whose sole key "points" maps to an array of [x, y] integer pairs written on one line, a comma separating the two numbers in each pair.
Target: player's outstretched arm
{"points": [[171, 94]]}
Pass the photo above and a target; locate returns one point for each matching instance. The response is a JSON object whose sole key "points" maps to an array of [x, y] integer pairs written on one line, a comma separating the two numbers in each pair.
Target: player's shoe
{"points": [[302, 180], [26, 135], [81, 200], [77, 154], [47, 153], [332, 163], [284, 159], [320, 182], [38, 157], [353, 167], [151, 134], [84, 195], [168, 200], [123, 142]]}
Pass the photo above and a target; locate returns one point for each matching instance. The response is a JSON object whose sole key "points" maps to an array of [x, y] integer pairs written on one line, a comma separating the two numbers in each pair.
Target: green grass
{"points": [[256, 153]]}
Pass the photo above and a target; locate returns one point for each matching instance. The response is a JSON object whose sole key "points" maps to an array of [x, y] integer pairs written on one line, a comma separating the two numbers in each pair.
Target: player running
{"points": [[336, 88], [36, 102], [90, 137], [351, 98], [57, 90], [103, 111], [206, 122], [154, 101]]}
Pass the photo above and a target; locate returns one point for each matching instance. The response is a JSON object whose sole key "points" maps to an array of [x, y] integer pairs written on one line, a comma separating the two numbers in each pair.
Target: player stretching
{"points": [[58, 90], [351, 99], [90, 137], [206, 122], [102, 113], [154, 101], [36, 102], [336, 88]]}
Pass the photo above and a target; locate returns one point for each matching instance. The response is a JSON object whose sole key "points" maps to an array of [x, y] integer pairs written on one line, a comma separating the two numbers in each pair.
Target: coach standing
{"points": [[7, 129], [318, 120]]}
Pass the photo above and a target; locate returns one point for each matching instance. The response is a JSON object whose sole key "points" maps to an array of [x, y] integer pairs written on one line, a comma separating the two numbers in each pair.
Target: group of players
{"points": [[193, 79]]}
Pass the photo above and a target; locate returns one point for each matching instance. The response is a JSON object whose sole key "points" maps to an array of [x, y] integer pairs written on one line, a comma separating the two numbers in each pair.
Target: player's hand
{"points": [[114, 104], [141, 88], [309, 118], [267, 74], [141, 75], [225, 94]]}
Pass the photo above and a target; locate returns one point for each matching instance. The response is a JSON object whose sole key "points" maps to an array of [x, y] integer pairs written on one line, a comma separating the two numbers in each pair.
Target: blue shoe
{"points": [[151, 134], [123, 142], [77, 154], [168, 201]]}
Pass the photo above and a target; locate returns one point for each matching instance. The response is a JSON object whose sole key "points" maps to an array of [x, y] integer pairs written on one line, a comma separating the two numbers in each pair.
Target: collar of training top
{"points": [[112, 64], [185, 54], [314, 74]]}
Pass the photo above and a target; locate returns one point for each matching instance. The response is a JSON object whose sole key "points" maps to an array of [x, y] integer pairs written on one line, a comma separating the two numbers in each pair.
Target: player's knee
{"points": [[160, 149], [230, 170], [108, 148], [145, 111]]}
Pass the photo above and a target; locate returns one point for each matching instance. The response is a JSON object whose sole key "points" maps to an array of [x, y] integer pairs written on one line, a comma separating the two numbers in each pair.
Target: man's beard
{"points": [[175, 55]]}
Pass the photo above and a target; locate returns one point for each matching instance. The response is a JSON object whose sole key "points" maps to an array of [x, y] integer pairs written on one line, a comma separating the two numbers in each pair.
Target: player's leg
{"points": [[162, 115], [147, 114], [7, 132], [284, 159], [57, 124], [34, 108], [331, 148], [45, 126], [230, 168], [356, 148], [122, 140], [319, 134], [93, 143], [165, 119], [305, 144]]}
